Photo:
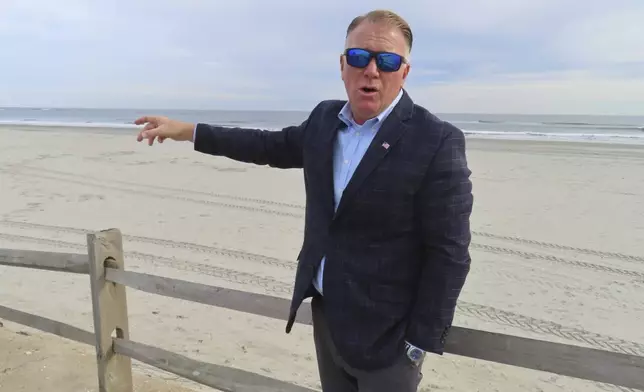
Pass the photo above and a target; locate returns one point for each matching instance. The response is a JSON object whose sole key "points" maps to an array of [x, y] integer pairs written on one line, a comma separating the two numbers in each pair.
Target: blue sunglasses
{"points": [[385, 61]]}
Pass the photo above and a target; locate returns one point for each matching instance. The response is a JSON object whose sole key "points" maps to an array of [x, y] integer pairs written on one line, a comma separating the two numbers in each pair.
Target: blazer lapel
{"points": [[384, 141], [324, 173]]}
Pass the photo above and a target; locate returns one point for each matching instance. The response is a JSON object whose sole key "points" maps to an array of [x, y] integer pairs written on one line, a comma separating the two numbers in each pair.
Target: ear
{"points": [[342, 67], [406, 71]]}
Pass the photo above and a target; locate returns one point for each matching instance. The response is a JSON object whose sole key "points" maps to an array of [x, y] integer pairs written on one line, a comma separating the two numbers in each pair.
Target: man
{"points": [[385, 251]]}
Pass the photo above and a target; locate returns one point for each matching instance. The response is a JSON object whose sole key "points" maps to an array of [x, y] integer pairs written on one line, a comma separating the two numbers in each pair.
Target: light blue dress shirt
{"points": [[349, 148]]}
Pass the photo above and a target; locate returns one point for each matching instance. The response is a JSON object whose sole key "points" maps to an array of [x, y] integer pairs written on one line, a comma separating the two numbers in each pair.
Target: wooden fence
{"points": [[108, 279]]}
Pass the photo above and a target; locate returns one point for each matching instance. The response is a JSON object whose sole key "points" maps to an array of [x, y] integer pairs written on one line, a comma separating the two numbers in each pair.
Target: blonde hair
{"points": [[386, 16]]}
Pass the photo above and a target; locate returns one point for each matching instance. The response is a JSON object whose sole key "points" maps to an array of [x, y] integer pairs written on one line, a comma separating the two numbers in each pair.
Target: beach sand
{"points": [[557, 252], [35, 362]]}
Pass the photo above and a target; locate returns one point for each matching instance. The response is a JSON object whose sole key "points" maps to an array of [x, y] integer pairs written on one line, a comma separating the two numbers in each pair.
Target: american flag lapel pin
{"points": [[385, 145]]}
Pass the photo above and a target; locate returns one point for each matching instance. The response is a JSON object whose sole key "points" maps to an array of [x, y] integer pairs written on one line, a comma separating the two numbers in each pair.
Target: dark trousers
{"points": [[337, 376]]}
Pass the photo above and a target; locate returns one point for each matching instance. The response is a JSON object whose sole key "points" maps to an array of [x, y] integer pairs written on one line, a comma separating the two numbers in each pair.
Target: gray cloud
{"points": [[284, 54]]}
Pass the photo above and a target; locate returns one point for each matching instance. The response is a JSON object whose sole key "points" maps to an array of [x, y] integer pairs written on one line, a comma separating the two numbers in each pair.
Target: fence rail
{"points": [[62, 262], [104, 264], [220, 377]]}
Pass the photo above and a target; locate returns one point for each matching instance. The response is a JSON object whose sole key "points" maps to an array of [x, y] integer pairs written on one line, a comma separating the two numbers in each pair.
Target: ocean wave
{"points": [[567, 136], [70, 124], [594, 126], [613, 137], [559, 124]]}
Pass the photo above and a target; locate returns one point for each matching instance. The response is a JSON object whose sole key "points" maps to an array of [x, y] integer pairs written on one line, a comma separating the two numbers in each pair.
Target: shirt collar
{"points": [[346, 116]]}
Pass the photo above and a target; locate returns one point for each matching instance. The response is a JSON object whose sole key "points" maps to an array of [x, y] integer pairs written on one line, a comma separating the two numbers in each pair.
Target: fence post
{"points": [[105, 248]]}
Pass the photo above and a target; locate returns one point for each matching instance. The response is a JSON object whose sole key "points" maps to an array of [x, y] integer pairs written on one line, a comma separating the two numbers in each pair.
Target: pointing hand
{"points": [[163, 128]]}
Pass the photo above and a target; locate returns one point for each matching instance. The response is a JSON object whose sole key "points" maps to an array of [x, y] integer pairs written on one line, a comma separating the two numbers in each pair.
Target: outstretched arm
{"points": [[282, 149], [444, 207]]}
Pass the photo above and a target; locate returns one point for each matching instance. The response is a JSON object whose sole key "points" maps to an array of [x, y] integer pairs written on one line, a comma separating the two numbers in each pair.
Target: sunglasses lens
{"points": [[358, 58], [389, 62]]}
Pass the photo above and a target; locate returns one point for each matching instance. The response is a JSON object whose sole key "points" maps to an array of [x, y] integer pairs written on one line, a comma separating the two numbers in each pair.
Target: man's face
{"points": [[378, 37]]}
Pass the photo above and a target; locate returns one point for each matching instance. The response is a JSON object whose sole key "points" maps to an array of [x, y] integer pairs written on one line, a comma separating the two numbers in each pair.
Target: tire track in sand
{"points": [[244, 278], [130, 190], [272, 261], [530, 255], [170, 189], [282, 263], [549, 245], [231, 253], [556, 259], [581, 288]]}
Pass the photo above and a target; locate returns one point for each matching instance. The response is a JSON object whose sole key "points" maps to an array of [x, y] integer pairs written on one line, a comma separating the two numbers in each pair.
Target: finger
{"points": [[144, 132], [140, 136], [151, 133], [150, 125], [161, 139], [144, 119], [146, 135], [152, 138]]}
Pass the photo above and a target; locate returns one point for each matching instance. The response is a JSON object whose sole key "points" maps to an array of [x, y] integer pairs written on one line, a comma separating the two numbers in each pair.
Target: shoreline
{"points": [[637, 143]]}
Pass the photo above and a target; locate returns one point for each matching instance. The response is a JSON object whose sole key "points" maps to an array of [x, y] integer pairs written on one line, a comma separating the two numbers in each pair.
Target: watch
{"points": [[415, 354]]}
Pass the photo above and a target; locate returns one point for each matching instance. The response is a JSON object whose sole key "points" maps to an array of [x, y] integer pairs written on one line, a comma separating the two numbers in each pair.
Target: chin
{"points": [[370, 109]]}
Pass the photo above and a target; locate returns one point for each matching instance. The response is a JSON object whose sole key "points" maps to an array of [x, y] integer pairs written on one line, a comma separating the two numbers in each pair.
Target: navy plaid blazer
{"points": [[397, 248]]}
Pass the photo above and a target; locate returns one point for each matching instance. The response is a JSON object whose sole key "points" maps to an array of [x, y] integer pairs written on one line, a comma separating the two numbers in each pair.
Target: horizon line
{"points": [[308, 111]]}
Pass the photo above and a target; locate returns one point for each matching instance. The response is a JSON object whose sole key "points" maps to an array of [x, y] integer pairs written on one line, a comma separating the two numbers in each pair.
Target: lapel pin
{"points": [[385, 145]]}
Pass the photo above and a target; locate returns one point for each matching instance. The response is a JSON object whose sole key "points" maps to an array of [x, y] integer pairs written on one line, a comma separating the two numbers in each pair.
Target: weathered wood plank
{"points": [[567, 360], [110, 311], [47, 325], [243, 301], [50, 261], [215, 376]]}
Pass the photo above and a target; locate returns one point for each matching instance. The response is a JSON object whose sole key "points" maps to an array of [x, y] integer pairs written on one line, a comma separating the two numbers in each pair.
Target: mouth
{"points": [[369, 90]]}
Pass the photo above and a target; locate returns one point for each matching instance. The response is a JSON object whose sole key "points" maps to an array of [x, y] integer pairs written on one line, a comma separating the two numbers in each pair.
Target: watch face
{"points": [[415, 354]]}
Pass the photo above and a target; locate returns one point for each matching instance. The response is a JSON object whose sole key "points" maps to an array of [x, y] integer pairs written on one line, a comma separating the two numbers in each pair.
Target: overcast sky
{"points": [[500, 56]]}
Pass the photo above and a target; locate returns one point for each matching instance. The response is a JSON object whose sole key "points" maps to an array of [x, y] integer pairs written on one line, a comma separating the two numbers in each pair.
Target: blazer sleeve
{"points": [[280, 149], [444, 205]]}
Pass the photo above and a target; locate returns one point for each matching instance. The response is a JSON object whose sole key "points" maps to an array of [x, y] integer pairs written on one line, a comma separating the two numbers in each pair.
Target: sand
{"points": [[33, 362], [558, 252]]}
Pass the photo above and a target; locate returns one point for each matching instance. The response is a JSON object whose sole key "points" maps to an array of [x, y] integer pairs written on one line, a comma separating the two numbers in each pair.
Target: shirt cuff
{"points": [[194, 133]]}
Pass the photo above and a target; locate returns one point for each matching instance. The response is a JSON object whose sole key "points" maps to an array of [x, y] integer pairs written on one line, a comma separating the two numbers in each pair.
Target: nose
{"points": [[371, 69]]}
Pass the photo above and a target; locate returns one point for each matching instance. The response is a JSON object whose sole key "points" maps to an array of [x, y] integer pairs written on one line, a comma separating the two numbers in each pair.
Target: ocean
{"points": [[614, 129]]}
